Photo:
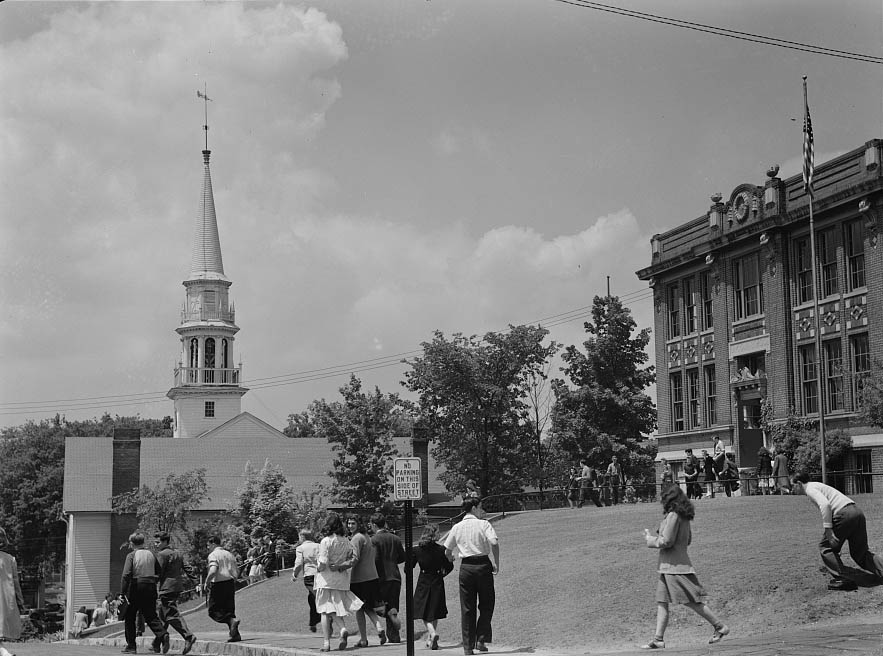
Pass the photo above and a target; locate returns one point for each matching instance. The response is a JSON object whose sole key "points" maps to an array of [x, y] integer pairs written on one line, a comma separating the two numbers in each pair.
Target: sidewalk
{"points": [[855, 639]]}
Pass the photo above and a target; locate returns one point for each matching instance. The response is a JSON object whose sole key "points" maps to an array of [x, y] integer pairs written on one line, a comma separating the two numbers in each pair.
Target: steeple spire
{"points": [[206, 260]]}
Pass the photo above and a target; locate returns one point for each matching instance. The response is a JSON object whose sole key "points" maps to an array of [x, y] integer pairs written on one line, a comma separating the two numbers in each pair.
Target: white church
{"points": [[210, 430]]}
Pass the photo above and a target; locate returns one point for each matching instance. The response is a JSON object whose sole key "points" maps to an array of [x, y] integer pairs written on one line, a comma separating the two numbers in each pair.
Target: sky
{"points": [[381, 169]]}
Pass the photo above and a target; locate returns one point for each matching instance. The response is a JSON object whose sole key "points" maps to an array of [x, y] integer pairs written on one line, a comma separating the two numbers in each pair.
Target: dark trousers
{"points": [[222, 602], [588, 493], [390, 593], [169, 614], [142, 597], [315, 618], [476, 582], [849, 526]]}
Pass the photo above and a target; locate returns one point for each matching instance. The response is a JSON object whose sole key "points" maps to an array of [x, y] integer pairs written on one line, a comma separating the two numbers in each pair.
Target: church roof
{"points": [[206, 261], [225, 452]]}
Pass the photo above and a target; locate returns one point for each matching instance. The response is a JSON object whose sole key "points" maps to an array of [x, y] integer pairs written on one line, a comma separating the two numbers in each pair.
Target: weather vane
{"points": [[206, 99]]}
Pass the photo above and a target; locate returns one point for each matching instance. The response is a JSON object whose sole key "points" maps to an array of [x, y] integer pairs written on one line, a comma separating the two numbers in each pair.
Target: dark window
{"points": [[804, 270], [833, 375], [860, 355], [209, 374], [689, 306], [710, 396], [707, 306], [674, 314], [854, 238], [864, 483], [808, 382], [748, 287], [693, 396], [677, 401], [828, 262], [209, 408]]}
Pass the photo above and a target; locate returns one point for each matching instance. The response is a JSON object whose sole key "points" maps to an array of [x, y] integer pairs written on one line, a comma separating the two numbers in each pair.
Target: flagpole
{"points": [[808, 165]]}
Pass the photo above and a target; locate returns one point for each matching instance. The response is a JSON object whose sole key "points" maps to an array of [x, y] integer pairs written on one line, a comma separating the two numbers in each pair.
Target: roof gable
{"points": [[243, 425]]}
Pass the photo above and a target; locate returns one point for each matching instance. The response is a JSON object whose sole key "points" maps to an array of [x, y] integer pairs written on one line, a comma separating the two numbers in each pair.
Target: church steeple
{"points": [[206, 260], [207, 389]]}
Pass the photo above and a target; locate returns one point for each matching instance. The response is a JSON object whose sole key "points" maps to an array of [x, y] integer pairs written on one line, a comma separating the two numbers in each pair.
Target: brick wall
{"points": [[126, 477]]}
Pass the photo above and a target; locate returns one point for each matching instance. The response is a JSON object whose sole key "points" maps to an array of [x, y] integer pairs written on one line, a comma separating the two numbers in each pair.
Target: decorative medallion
{"points": [[857, 312], [805, 324], [830, 318]]}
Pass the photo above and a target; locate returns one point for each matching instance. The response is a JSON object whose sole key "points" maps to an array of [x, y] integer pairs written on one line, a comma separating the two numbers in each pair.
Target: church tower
{"points": [[207, 389]]}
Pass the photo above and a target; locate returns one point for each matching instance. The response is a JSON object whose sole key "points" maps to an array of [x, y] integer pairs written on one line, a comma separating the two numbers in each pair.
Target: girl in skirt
{"points": [[332, 582], [677, 578]]}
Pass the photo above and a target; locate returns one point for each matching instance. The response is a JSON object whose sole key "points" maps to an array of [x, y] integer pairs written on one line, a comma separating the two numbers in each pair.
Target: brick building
{"points": [[734, 312]]}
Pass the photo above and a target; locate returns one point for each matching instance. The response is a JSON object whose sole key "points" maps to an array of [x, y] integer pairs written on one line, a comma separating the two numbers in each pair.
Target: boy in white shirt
{"points": [[842, 522]]}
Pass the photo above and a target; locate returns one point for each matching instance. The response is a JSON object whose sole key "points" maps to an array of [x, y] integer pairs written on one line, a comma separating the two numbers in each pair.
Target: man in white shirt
{"points": [[475, 539], [221, 585], [842, 522]]}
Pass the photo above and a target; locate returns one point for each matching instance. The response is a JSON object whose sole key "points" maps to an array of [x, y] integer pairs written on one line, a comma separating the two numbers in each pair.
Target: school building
{"points": [[735, 318]]}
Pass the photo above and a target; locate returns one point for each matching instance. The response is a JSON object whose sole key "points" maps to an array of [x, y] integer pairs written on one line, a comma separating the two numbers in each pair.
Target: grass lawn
{"points": [[583, 579]]}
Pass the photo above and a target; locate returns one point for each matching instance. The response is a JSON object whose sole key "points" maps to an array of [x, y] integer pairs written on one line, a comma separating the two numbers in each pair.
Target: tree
{"points": [[360, 430], [473, 403], [798, 438], [871, 395], [32, 481], [167, 505], [265, 502], [604, 410], [300, 425]]}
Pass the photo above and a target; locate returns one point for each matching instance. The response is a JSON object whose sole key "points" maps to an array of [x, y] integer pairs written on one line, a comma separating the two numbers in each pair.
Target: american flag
{"points": [[808, 154]]}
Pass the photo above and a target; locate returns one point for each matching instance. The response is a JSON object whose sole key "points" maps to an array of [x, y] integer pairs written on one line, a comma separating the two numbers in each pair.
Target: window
{"points": [[804, 270], [209, 408], [209, 302], [833, 375], [693, 396], [864, 483], [689, 306], [677, 401], [674, 314], [860, 356], [209, 374], [808, 383], [828, 262], [854, 238], [707, 307], [710, 396], [748, 287]]}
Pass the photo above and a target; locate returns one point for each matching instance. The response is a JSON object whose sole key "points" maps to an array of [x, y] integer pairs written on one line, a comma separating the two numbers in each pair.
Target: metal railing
{"points": [[206, 376], [208, 315]]}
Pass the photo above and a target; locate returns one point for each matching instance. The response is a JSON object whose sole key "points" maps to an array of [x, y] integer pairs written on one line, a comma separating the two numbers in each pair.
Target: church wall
{"points": [[90, 577], [191, 413]]}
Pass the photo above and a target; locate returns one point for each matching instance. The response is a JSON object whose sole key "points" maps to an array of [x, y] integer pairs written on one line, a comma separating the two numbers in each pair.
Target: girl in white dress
{"points": [[332, 583]]}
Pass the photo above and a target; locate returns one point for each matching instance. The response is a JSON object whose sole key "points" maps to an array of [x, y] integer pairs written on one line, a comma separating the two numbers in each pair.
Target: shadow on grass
{"points": [[862, 578]]}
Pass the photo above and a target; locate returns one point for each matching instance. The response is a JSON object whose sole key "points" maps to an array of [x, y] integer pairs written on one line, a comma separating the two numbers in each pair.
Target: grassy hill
{"points": [[583, 579]]}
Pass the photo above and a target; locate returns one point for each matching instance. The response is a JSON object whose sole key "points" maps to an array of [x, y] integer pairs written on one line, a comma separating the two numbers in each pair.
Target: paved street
{"points": [[853, 639]]}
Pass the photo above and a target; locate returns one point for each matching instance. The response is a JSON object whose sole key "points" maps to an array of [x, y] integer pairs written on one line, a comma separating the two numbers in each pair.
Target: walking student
{"points": [[842, 522], [677, 582], [140, 575], [475, 540], [305, 560], [221, 584], [587, 479], [429, 594], [333, 595], [364, 582], [171, 574], [389, 553]]}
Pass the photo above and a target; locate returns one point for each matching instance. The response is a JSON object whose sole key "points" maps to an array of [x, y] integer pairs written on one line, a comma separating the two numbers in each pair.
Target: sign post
{"points": [[408, 487]]}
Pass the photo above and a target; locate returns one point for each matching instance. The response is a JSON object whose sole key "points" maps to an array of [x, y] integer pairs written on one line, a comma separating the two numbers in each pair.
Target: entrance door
{"points": [[750, 432]]}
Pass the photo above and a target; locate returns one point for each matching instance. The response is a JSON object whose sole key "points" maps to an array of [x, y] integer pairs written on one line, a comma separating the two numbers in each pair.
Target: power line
{"points": [[721, 31], [294, 378]]}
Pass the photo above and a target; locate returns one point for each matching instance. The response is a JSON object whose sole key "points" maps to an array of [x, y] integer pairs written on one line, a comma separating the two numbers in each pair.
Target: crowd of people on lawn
{"points": [[354, 569]]}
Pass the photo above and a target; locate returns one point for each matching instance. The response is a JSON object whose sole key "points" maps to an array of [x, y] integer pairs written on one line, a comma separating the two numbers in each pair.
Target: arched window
{"points": [[210, 353], [194, 360], [225, 352]]}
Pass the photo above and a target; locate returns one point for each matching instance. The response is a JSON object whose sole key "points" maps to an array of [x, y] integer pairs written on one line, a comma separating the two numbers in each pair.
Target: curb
{"points": [[200, 647]]}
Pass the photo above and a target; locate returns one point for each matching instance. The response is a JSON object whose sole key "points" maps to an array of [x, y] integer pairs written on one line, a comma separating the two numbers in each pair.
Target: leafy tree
{"points": [[265, 502], [473, 403], [798, 438], [871, 396], [167, 505], [300, 425], [604, 410], [360, 430], [32, 480]]}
